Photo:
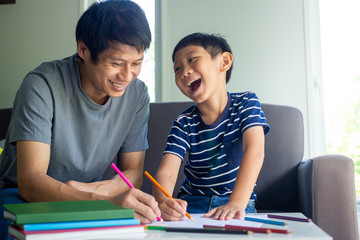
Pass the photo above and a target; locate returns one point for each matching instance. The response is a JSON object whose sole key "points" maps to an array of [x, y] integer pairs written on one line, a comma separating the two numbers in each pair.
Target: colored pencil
{"points": [[164, 191], [257, 229], [197, 230], [289, 218], [128, 182], [235, 227], [265, 221]]}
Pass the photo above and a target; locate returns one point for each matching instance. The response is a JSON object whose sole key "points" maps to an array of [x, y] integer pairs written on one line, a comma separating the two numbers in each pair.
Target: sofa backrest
{"points": [[284, 146], [5, 116], [277, 183]]}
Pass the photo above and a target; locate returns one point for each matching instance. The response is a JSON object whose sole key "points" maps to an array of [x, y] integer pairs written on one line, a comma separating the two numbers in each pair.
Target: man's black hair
{"points": [[213, 43], [113, 21]]}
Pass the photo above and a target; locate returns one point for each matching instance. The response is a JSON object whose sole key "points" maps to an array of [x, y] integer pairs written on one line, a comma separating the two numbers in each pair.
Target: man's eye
{"points": [[116, 64], [137, 63]]}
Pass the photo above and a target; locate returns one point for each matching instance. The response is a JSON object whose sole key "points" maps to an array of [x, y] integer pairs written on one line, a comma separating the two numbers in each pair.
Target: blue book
{"points": [[80, 224]]}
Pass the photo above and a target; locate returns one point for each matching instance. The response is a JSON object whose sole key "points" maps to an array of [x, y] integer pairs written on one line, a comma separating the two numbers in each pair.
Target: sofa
{"points": [[322, 188]]}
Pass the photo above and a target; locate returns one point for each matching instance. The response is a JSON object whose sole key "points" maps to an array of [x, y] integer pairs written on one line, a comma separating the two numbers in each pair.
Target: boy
{"points": [[223, 134], [73, 117]]}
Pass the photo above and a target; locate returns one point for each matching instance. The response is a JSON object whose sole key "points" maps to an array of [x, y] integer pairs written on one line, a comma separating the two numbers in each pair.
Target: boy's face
{"points": [[197, 75], [115, 69]]}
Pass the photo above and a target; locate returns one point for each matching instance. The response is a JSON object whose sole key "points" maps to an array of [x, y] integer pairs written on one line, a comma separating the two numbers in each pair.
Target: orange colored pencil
{"points": [[164, 191]]}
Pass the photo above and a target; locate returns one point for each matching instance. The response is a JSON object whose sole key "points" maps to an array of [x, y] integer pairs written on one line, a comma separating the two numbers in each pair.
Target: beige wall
{"points": [[275, 43], [31, 32], [276, 52]]}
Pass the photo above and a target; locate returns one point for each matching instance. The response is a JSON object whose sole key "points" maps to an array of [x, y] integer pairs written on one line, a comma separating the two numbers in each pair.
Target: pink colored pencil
{"points": [[122, 175], [128, 182]]}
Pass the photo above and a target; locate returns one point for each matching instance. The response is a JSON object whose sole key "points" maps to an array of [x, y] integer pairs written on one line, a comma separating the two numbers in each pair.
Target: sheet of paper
{"points": [[200, 220]]}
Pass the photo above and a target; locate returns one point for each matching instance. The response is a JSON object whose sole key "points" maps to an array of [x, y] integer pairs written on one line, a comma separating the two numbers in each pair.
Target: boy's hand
{"points": [[172, 209], [226, 212]]}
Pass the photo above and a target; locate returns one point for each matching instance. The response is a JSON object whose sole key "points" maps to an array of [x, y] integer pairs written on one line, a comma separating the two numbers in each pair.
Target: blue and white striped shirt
{"points": [[215, 151]]}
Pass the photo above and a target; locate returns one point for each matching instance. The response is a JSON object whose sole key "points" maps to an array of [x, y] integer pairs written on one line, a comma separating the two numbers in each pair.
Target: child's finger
{"points": [[239, 215], [182, 203], [175, 204], [210, 213]]}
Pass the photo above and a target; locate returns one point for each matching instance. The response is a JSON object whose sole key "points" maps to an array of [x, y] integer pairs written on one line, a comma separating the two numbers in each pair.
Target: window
{"points": [[340, 37], [147, 73]]}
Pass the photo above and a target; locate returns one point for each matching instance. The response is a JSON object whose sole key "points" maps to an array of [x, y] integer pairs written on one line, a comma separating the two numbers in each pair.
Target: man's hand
{"points": [[99, 188], [146, 208], [173, 209]]}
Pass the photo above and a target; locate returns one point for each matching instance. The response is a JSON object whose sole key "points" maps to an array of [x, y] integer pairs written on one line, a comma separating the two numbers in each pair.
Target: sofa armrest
{"points": [[327, 195]]}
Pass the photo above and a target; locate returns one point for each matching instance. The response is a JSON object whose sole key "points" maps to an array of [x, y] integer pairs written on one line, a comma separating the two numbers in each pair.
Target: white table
{"points": [[300, 231]]}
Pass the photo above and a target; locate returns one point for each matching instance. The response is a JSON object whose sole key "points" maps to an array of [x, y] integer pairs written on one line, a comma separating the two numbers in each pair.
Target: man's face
{"points": [[116, 68]]}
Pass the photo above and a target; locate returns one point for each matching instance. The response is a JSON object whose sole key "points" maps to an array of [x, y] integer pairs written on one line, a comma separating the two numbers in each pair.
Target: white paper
{"points": [[200, 220]]}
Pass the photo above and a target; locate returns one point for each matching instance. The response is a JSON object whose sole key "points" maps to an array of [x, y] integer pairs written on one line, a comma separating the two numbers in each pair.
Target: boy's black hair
{"points": [[213, 43], [113, 21]]}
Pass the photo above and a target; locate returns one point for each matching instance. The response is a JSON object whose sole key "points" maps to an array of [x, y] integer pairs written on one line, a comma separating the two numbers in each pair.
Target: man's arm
{"points": [[131, 165], [34, 183]]}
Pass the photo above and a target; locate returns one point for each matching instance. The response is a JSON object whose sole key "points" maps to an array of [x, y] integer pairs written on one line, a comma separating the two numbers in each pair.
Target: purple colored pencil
{"points": [[289, 218]]}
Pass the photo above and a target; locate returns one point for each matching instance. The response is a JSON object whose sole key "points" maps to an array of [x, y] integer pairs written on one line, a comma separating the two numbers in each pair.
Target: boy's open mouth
{"points": [[194, 84]]}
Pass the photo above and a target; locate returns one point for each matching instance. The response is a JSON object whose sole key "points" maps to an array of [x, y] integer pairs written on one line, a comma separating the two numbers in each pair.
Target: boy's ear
{"points": [[226, 62]]}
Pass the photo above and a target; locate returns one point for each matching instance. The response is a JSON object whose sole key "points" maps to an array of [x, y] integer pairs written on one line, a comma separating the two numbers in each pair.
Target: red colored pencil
{"points": [[256, 229]]}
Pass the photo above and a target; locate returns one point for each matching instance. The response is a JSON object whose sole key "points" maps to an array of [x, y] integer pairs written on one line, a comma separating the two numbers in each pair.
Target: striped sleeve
{"points": [[178, 142], [251, 113]]}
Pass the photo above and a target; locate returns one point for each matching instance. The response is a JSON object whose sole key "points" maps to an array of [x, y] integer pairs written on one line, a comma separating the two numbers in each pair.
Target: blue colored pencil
{"points": [[265, 221]]}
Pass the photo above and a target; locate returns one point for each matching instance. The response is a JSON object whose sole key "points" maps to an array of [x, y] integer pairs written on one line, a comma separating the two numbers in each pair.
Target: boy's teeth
{"points": [[191, 82]]}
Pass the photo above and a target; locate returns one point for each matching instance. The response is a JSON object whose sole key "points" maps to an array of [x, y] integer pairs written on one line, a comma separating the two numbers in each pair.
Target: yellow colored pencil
{"points": [[164, 191]]}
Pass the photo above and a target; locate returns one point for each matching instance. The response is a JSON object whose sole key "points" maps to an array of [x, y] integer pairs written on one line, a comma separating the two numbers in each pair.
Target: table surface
{"points": [[300, 231]]}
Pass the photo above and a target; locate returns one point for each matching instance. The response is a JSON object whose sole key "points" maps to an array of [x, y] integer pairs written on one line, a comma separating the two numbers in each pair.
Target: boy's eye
{"points": [[191, 59], [176, 69]]}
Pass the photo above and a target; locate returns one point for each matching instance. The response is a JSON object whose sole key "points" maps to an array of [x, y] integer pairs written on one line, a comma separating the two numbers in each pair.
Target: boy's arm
{"points": [[250, 166], [171, 209]]}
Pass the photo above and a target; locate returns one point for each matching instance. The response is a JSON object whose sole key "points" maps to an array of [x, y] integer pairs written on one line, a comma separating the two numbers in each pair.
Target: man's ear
{"points": [[83, 50], [226, 61]]}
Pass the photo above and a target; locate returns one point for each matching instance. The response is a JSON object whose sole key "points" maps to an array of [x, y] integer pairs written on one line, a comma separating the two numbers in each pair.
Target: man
{"points": [[72, 117]]}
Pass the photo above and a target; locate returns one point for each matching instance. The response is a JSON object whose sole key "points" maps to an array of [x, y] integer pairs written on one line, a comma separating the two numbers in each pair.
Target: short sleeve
{"points": [[252, 113], [178, 142], [32, 111], [136, 140]]}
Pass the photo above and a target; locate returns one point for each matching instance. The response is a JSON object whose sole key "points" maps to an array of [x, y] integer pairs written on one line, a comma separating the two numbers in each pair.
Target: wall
{"points": [[32, 32], [275, 45], [271, 42]]}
